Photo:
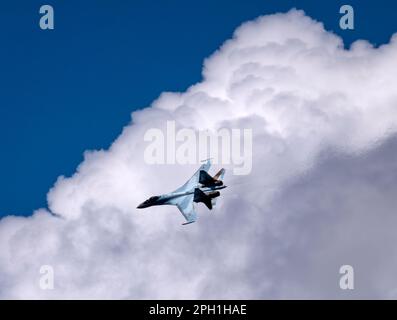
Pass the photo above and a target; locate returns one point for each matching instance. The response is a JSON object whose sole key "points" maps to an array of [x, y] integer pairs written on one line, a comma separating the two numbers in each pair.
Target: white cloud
{"points": [[273, 233]]}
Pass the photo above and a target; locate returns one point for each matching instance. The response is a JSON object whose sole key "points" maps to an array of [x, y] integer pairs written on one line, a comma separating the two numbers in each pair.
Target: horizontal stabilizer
{"points": [[200, 196], [206, 180]]}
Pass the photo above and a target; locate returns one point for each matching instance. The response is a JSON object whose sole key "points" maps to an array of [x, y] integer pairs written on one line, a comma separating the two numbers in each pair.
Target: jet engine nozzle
{"points": [[214, 194]]}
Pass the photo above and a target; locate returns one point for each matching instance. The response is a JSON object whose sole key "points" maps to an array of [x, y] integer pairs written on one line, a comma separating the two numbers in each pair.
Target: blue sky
{"points": [[73, 88]]}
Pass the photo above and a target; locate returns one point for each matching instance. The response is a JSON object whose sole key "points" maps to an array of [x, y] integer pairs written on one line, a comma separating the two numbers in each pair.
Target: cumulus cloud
{"points": [[320, 194]]}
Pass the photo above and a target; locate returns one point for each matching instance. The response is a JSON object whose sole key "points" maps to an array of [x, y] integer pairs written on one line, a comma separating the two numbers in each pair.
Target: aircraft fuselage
{"points": [[168, 197]]}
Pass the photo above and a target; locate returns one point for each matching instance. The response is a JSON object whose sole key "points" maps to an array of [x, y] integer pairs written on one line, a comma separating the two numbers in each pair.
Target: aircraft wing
{"points": [[186, 207], [194, 180]]}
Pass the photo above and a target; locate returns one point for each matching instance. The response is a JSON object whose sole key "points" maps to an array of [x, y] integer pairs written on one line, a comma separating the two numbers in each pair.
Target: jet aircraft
{"points": [[201, 187]]}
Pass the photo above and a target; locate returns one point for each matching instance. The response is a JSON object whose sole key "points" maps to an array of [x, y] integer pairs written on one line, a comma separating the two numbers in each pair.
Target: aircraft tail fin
{"points": [[220, 174]]}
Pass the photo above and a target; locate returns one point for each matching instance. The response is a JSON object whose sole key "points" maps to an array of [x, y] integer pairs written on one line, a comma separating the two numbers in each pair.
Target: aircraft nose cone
{"points": [[141, 206]]}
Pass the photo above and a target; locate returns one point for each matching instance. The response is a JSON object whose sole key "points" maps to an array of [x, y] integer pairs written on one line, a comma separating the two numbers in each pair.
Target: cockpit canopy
{"points": [[152, 199]]}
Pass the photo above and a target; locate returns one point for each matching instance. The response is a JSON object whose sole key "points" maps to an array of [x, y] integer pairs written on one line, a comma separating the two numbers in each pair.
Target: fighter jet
{"points": [[201, 187]]}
